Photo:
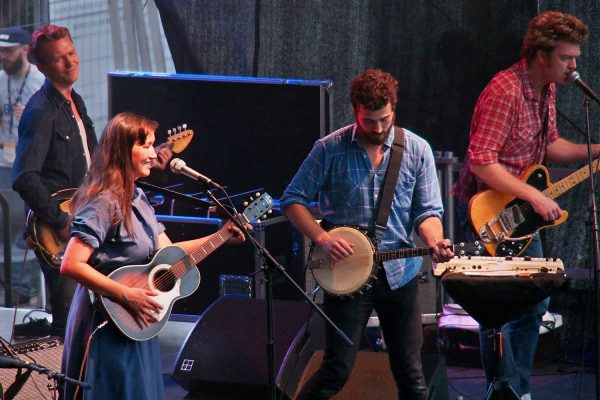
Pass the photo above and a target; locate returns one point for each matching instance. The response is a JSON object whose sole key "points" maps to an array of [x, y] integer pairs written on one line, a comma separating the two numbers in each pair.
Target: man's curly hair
{"points": [[546, 30], [373, 89]]}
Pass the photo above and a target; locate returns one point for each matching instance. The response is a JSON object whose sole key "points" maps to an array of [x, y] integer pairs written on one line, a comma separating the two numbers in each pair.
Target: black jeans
{"points": [[400, 320], [61, 290]]}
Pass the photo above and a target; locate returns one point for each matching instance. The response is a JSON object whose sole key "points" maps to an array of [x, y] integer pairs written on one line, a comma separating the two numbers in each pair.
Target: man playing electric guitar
{"points": [[514, 127]]}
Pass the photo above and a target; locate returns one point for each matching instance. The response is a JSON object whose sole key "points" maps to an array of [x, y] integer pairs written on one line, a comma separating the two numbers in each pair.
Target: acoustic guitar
{"points": [[506, 225], [173, 273], [46, 242], [355, 273]]}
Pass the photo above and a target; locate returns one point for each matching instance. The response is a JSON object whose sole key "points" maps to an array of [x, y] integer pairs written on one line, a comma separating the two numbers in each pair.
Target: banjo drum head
{"points": [[350, 274]]}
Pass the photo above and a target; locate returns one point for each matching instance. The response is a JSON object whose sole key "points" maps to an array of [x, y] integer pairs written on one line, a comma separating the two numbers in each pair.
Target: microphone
{"points": [[178, 166], [574, 77], [9, 362]]}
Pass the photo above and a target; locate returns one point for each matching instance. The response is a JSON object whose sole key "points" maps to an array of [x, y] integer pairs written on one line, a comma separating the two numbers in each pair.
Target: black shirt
{"points": [[49, 154]]}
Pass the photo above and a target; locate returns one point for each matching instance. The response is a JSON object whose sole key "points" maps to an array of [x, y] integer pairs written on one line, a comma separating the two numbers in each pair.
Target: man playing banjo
{"points": [[348, 170]]}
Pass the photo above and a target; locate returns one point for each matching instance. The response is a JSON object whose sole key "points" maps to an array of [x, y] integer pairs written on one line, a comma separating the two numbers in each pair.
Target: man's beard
{"points": [[377, 140], [13, 68]]}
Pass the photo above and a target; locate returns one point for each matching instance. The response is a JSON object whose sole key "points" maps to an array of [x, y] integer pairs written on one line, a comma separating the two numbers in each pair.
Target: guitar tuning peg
{"points": [[169, 132], [178, 128], [263, 216], [245, 204], [184, 126], [270, 212], [257, 194]]}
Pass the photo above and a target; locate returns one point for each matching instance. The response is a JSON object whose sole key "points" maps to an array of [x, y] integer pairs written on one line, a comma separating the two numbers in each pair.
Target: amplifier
{"points": [[46, 352]]}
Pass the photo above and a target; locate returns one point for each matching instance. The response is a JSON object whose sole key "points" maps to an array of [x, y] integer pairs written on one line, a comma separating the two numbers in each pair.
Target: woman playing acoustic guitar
{"points": [[113, 226]]}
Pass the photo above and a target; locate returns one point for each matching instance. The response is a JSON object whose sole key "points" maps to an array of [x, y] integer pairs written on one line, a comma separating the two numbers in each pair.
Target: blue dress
{"points": [[116, 366]]}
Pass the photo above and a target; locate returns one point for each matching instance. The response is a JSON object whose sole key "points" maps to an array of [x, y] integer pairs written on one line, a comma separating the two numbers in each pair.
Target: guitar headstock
{"points": [[179, 138], [468, 249], [259, 206]]}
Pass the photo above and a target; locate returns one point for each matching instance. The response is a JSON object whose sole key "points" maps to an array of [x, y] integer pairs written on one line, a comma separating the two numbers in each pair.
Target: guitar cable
{"points": [[85, 355], [24, 265]]}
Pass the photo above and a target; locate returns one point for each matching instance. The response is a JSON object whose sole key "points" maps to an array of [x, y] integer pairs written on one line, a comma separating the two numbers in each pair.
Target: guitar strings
{"points": [[561, 185], [177, 269]]}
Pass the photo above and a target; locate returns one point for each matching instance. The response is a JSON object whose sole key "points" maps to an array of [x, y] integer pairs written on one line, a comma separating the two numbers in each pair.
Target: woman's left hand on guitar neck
{"points": [[238, 236]]}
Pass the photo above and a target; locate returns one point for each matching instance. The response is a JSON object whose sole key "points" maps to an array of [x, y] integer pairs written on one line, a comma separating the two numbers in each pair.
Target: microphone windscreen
{"points": [[573, 76], [176, 165]]}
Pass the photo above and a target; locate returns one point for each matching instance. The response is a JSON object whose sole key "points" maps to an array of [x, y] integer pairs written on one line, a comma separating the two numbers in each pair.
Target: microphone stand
{"points": [[171, 193], [594, 238], [13, 390], [270, 264]]}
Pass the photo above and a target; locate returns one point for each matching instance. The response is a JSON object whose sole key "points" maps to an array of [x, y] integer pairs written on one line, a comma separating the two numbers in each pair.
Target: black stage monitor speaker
{"points": [[225, 355], [46, 352]]}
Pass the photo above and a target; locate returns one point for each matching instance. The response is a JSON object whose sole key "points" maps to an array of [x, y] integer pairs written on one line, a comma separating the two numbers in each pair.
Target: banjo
{"points": [[355, 273]]}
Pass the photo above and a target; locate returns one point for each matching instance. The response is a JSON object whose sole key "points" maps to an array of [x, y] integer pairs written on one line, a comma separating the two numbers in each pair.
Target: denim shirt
{"points": [[113, 246], [339, 170], [50, 154]]}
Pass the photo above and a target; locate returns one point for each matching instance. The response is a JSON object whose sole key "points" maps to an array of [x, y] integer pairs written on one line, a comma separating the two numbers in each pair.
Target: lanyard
{"points": [[18, 99]]}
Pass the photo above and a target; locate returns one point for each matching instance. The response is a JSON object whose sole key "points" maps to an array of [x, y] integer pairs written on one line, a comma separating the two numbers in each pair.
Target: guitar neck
{"points": [[201, 252], [570, 181]]}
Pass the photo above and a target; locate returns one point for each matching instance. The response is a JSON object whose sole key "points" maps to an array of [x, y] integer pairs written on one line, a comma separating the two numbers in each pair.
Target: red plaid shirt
{"points": [[507, 127]]}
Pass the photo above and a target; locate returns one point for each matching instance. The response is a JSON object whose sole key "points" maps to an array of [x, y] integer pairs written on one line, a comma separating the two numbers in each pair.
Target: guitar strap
{"points": [[536, 159], [389, 183]]}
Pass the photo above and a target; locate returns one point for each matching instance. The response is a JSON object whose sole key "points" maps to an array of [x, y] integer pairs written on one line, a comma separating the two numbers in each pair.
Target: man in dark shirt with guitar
{"points": [[56, 140], [513, 128]]}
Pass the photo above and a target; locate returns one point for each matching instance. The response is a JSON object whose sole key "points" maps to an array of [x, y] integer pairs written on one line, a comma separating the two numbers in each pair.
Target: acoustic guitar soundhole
{"points": [[164, 280]]}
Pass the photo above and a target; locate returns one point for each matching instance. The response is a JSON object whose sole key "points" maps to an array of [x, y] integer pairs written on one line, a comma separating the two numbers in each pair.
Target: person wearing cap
{"points": [[19, 80]]}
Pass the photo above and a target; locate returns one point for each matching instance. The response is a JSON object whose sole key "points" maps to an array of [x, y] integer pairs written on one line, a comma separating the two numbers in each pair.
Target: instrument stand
{"points": [[493, 301], [269, 265], [594, 236], [499, 389]]}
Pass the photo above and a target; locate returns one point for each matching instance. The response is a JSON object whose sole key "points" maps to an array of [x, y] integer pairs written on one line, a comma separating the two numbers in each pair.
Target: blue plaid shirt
{"points": [[339, 169]]}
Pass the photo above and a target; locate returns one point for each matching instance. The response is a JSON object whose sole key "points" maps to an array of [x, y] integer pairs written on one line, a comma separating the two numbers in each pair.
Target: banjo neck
{"points": [[387, 255]]}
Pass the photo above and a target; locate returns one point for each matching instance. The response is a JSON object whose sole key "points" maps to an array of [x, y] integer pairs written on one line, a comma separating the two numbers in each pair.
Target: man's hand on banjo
{"points": [[335, 248], [442, 251]]}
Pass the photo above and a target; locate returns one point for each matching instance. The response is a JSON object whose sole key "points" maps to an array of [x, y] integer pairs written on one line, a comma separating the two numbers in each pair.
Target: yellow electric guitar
{"points": [[505, 224], [47, 244]]}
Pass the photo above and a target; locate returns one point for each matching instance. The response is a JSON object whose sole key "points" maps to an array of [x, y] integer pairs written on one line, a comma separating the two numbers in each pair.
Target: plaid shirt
{"points": [[507, 127], [339, 169]]}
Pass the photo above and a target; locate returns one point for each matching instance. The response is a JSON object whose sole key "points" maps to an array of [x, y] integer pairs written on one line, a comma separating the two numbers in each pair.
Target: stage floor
{"points": [[549, 382]]}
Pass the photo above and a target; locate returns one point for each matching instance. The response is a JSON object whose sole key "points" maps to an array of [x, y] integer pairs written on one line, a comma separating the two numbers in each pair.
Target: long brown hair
{"points": [[111, 170]]}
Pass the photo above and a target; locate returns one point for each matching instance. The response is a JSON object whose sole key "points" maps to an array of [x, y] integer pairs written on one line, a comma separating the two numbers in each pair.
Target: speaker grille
{"points": [[46, 352]]}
